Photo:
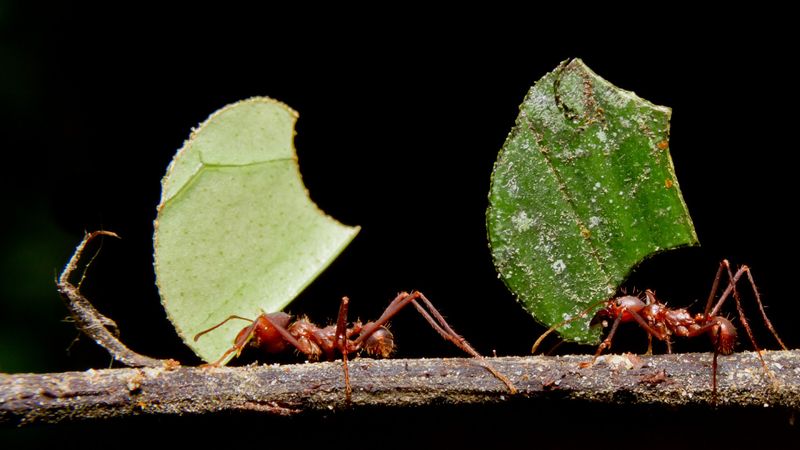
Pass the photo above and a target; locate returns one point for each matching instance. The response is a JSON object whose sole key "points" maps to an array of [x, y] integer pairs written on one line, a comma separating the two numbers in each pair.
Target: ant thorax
{"points": [[305, 332]]}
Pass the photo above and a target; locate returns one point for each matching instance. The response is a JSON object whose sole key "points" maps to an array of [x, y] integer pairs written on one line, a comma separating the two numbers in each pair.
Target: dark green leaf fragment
{"points": [[583, 190]]}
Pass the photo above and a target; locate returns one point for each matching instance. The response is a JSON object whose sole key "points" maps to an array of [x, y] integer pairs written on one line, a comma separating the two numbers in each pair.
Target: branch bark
{"points": [[161, 387], [668, 380]]}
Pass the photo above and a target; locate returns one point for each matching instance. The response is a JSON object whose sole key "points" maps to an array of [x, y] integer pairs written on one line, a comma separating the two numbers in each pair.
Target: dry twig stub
{"points": [[93, 324]]}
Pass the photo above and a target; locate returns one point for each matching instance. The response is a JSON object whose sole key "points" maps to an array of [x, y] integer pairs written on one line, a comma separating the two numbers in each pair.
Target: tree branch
{"points": [[674, 380], [161, 387]]}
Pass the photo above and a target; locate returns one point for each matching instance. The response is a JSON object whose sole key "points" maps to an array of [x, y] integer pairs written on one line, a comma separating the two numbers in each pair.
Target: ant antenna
{"points": [[197, 336]]}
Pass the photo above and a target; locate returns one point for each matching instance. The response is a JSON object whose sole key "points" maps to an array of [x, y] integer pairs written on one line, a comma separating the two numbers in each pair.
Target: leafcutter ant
{"points": [[661, 322], [274, 333]]}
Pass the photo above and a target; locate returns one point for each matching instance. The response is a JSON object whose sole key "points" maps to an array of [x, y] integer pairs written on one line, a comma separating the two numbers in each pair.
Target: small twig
{"points": [[668, 380], [95, 325]]}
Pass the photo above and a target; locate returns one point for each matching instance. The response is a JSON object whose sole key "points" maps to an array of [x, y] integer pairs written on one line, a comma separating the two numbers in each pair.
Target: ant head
{"points": [[616, 306], [380, 343], [601, 318], [280, 318], [629, 303]]}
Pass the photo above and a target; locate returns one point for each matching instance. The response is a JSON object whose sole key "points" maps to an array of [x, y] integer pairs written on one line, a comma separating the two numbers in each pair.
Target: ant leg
{"points": [[340, 342], [445, 330], [707, 328], [286, 335], [733, 280], [457, 339], [236, 348], [761, 308], [553, 349], [709, 302], [439, 324], [714, 377], [555, 327], [394, 307], [740, 310], [714, 287], [652, 332], [244, 337], [241, 340], [607, 341]]}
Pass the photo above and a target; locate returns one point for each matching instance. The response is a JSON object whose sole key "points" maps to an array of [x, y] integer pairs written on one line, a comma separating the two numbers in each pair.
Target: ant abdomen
{"points": [[723, 335], [380, 344]]}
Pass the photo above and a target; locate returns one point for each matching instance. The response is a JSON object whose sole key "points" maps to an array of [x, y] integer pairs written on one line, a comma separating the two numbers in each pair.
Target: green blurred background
{"points": [[401, 118]]}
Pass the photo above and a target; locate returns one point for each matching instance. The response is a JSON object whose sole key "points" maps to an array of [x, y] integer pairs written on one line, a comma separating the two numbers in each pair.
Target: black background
{"points": [[401, 119]]}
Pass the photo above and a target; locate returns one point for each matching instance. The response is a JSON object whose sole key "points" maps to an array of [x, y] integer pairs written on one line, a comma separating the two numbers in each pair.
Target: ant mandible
{"points": [[275, 333], [662, 322]]}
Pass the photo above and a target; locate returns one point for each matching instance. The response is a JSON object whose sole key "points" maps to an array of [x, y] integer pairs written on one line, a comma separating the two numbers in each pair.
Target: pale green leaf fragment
{"points": [[236, 232]]}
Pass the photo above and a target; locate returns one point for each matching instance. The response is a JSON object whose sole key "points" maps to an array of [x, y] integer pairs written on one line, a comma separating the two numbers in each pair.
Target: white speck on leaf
{"points": [[511, 184], [521, 221], [594, 221], [559, 266]]}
